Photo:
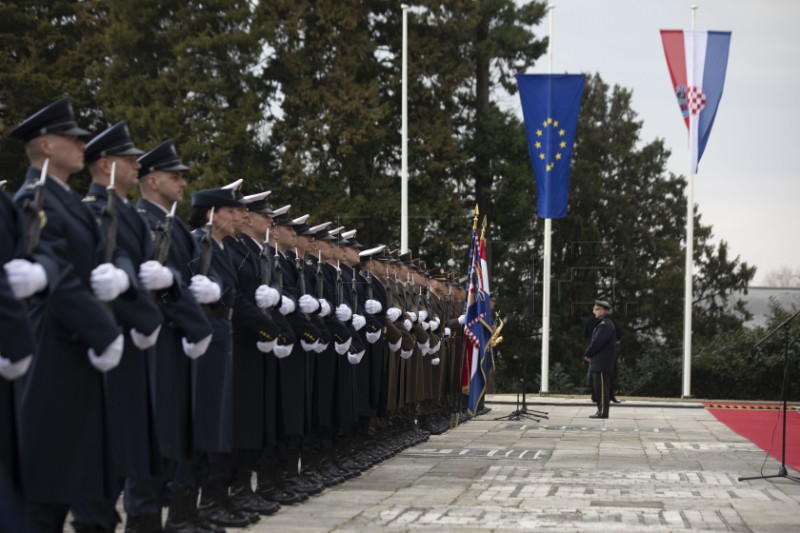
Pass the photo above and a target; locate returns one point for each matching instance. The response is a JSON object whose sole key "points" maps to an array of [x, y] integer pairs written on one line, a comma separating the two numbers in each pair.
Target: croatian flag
{"points": [[697, 61]]}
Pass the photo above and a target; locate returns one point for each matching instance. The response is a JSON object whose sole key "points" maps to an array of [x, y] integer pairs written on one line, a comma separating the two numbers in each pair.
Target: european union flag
{"points": [[550, 106]]}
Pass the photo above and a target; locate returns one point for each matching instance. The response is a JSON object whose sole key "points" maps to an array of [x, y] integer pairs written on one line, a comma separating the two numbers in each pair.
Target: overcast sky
{"points": [[748, 183]]}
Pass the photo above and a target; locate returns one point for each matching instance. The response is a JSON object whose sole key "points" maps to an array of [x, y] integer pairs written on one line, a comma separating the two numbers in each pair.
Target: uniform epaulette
{"points": [[89, 198]]}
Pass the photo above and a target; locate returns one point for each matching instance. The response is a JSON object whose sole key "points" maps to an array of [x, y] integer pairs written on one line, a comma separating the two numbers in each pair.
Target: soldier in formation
{"points": [[221, 368]]}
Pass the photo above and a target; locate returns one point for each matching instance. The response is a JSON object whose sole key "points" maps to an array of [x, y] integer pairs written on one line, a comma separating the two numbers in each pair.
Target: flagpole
{"points": [[687, 291], [404, 139], [548, 225]]}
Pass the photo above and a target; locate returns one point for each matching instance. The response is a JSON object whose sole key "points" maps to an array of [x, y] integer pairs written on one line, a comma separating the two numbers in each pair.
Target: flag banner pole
{"points": [[544, 387], [550, 107], [697, 61]]}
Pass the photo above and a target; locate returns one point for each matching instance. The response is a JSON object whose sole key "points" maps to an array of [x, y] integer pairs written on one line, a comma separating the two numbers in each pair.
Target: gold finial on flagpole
{"points": [[483, 227], [475, 219]]}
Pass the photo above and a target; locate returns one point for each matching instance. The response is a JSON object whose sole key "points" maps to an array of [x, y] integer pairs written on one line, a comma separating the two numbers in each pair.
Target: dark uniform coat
{"points": [[63, 403], [131, 413], [213, 371], [292, 369], [250, 325], [16, 337], [183, 318]]}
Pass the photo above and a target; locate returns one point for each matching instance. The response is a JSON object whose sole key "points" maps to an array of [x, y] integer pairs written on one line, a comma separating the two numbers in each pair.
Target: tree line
{"points": [[303, 98]]}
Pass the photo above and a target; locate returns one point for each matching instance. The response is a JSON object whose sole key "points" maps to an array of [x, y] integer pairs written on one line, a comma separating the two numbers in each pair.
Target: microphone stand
{"points": [[782, 472]]}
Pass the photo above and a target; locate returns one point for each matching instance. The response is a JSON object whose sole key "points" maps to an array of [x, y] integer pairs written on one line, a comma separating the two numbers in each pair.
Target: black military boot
{"points": [[243, 496], [215, 508], [183, 517]]}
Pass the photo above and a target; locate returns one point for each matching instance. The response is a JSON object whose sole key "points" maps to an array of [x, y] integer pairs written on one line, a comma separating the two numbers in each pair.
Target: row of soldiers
{"points": [[174, 365]]}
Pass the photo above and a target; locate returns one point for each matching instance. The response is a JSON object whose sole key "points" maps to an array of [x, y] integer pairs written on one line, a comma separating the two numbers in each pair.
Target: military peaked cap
{"points": [[56, 118], [163, 157], [116, 140]]}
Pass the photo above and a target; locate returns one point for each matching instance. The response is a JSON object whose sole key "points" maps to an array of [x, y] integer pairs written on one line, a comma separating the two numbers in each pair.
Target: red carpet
{"points": [[762, 424]]}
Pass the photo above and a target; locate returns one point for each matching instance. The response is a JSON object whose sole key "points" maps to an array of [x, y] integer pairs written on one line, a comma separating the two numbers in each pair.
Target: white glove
{"points": [[423, 315], [396, 346], [434, 322], [373, 337], [12, 371], [344, 347], [412, 315], [447, 331], [204, 290], [287, 305], [407, 324], [325, 308], [267, 297], [110, 356], [308, 304], [155, 276], [435, 361], [320, 346], [307, 346], [462, 319], [373, 307], [343, 312], [108, 282], [435, 347], [25, 278], [355, 358], [358, 321], [405, 354], [424, 347], [282, 350], [142, 341], [266, 346], [425, 325], [195, 349], [393, 313]]}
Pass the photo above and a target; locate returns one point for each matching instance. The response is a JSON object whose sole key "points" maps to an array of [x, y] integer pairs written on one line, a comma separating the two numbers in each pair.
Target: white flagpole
{"points": [[687, 291], [548, 224], [404, 139]]}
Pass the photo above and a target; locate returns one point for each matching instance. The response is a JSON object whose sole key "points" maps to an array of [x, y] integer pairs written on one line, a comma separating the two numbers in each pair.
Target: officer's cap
{"points": [[280, 216], [116, 140], [299, 224], [216, 198], [236, 188], [603, 303], [56, 118], [281, 211], [163, 157], [257, 203], [315, 231], [348, 239], [371, 253]]}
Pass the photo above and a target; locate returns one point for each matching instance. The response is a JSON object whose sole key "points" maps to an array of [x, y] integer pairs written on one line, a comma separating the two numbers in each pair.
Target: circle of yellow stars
{"points": [[550, 123]]}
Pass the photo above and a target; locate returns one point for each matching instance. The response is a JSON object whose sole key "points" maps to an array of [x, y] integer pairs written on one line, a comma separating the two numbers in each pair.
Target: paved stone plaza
{"points": [[652, 466]]}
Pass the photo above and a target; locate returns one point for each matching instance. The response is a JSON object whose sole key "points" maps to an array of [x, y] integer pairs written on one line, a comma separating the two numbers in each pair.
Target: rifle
{"points": [[354, 292], [205, 247], [164, 239], [389, 300], [31, 212], [266, 262], [339, 283], [319, 279], [109, 217], [301, 277], [369, 292], [278, 270]]}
